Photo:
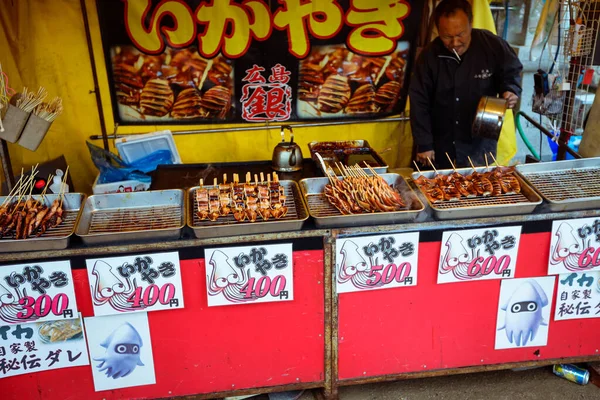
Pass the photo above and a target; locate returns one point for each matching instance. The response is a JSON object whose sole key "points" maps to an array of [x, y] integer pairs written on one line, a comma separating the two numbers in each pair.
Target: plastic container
{"points": [[132, 148], [574, 143]]}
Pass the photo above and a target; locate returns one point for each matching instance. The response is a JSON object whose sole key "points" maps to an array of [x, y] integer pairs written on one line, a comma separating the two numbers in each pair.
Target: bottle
{"points": [[57, 186]]}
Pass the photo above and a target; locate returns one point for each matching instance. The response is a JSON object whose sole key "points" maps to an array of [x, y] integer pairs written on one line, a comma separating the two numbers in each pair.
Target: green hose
{"points": [[520, 129]]}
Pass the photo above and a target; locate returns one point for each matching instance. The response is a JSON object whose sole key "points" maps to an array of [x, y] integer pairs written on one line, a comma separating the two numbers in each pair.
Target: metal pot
{"points": [[489, 118], [287, 156]]}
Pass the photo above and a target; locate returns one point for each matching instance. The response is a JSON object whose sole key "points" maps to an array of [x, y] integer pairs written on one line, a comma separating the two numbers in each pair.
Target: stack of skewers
{"points": [[23, 217], [359, 192], [453, 187], [248, 201]]}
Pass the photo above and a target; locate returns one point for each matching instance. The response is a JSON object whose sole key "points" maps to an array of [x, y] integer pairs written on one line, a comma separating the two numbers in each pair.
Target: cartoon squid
{"points": [[354, 268], [122, 352], [108, 288], [224, 279], [568, 248], [524, 312], [10, 307], [456, 259]]}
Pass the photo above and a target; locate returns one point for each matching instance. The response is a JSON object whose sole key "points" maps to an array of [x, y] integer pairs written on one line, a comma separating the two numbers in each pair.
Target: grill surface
{"points": [[321, 207], [464, 202], [63, 230], [135, 219], [567, 184]]}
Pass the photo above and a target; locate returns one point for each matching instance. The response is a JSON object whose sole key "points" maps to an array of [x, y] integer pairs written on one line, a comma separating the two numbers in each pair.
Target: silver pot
{"points": [[489, 118], [287, 156]]}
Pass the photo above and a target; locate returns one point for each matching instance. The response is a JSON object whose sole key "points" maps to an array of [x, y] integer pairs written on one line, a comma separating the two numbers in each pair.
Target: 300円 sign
{"points": [[144, 282], [376, 262], [249, 274], [36, 292]]}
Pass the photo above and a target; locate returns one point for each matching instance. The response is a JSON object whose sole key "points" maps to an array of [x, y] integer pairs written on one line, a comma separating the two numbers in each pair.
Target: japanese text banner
{"points": [[195, 62]]}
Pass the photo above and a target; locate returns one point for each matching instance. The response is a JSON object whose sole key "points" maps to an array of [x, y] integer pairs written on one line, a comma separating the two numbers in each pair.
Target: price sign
{"points": [[477, 254], [137, 283], [575, 246], [376, 262], [578, 296], [249, 274], [36, 292]]}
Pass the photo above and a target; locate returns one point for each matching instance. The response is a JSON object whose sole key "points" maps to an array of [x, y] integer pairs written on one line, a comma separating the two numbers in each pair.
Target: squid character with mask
{"points": [[524, 313], [122, 354]]}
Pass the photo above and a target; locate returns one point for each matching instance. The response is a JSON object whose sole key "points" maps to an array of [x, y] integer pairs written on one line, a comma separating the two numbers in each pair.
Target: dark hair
{"points": [[449, 7]]}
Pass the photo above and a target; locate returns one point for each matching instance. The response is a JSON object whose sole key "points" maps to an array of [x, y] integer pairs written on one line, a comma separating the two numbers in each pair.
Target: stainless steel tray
{"points": [[228, 226], [492, 206], [330, 158], [55, 238], [131, 217], [327, 216], [565, 185]]}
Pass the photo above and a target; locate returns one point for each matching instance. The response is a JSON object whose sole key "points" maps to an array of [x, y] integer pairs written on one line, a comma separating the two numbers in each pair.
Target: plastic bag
{"points": [[113, 169]]}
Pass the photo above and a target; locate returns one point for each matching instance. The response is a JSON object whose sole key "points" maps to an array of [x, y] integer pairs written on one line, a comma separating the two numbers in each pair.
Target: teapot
{"points": [[287, 156]]}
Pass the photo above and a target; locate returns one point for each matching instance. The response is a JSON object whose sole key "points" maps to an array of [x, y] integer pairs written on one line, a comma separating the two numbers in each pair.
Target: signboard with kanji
{"points": [[575, 246], [578, 296], [195, 62]]}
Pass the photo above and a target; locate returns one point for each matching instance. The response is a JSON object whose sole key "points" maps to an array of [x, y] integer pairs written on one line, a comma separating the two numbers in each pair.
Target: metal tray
{"points": [[131, 217], [56, 238], [228, 226], [565, 185], [360, 146], [492, 206], [327, 216]]}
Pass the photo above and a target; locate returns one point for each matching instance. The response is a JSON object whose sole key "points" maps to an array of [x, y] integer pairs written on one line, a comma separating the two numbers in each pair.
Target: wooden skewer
{"points": [[50, 177], [471, 162], [432, 166], [414, 162], [225, 179], [215, 182], [262, 177], [256, 179], [486, 162], [494, 158], [63, 186], [451, 163], [201, 182]]}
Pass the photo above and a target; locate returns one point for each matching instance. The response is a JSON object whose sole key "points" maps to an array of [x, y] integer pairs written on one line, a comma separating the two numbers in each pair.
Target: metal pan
{"points": [[228, 226], [492, 206], [327, 216], [330, 152], [565, 185], [132, 217], [56, 238]]}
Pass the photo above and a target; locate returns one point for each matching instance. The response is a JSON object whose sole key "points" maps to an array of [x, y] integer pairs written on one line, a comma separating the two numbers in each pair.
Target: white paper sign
{"points": [[121, 351], [249, 274], [578, 296], [36, 292], [478, 254], [137, 283], [42, 346], [575, 246], [524, 312], [376, 262]]}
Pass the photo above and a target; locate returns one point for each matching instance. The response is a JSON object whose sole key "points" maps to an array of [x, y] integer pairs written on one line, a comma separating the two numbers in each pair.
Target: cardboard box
{"points": [[119, 187]]}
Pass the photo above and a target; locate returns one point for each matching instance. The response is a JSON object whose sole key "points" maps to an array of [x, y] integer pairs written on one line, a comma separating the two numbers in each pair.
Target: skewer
{"points": [[256, 179], [50, 177], [414, 162], [201, 182], [262, 177], [432, 166], [494, 158], [215, 183], [471, 162], [451, 163], [225, 179], [63, 186], [487, 167]]}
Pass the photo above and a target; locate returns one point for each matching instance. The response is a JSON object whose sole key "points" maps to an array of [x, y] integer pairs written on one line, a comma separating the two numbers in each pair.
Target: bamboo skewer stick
{"points": [[432, 166], [451, 163], [63, 187], [471, 162], [494, 158]]}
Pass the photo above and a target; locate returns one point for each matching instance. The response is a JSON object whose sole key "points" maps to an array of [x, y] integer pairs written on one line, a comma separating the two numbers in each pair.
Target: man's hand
{"points": [[511, 99], [422, 157]]}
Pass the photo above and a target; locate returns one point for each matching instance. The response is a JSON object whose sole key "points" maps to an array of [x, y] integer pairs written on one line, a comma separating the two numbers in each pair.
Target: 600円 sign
{"points": [[36, 292]]}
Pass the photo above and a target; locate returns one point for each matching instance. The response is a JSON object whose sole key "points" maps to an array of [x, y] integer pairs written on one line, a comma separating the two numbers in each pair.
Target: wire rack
{"points": [[135, 219], [569, 184]]}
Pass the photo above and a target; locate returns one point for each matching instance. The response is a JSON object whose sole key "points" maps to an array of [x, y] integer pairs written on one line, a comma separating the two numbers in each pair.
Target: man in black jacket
{"points": [[451, 75]]}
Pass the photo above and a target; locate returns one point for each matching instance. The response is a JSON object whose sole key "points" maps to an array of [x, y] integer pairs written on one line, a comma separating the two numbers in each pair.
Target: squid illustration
{"points": [[354, 268], [108, 288], [568, 248], [10, 307], [524, 313], [226, 280], [122, 354], [456, 259]]}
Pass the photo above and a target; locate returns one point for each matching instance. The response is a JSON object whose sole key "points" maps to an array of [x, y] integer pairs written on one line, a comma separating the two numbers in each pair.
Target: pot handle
{"points": [[293, 158]]}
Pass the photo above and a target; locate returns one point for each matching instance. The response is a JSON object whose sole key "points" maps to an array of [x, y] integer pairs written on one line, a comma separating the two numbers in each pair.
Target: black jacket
{"points": [[444, 92]]}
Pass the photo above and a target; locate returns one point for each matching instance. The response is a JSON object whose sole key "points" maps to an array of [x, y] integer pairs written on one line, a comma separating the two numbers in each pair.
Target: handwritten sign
{"points": [[249, 274], [36, 292], [578, 296], [575, 246], [41, 346], [477, 254], [376, 262], [137, 283]]}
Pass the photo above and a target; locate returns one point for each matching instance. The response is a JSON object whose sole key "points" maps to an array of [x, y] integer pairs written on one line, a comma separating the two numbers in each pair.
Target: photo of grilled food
{"points": [[334, 81], [174, 86], [60, 331]]}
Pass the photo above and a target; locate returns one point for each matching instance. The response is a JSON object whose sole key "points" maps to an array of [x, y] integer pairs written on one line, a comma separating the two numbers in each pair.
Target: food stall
{"points": [[234, 277]]}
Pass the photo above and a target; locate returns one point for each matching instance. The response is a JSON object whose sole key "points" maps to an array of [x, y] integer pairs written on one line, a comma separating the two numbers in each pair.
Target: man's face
{"points": [[455, 31]]}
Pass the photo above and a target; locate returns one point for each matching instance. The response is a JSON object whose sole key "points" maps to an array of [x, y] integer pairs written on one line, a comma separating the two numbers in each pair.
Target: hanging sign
{"points": [[249, 274], [36, 292], [578, 296], [197, 62], [574, 246], [376, 262], [137, 283], [42, 346], [477, 254]]}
